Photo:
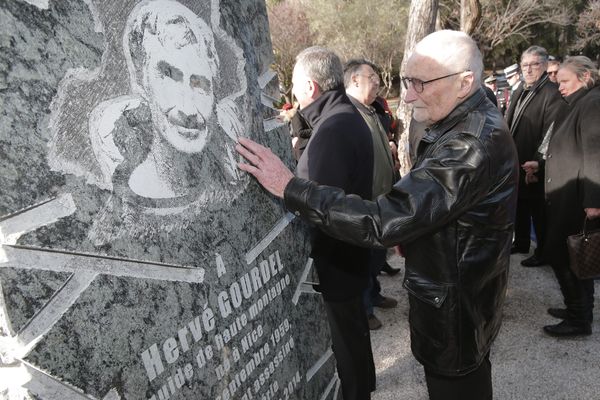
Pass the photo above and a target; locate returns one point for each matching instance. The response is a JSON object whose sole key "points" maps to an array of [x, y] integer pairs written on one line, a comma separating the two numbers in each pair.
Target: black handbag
{"points": [[584, 253]]}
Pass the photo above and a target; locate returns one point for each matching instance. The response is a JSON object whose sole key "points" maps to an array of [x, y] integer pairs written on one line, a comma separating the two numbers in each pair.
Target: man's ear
{"points": [[466, 84], [355, 80], [313, 89], [586, 77]]}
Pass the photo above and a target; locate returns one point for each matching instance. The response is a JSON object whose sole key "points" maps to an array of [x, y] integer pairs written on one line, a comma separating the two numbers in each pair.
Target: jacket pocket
{"points": [[432, 317], [431, 293]]}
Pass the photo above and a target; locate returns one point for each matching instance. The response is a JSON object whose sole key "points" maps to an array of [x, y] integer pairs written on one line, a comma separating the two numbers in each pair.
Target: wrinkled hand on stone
{"points": [[265, 166]]}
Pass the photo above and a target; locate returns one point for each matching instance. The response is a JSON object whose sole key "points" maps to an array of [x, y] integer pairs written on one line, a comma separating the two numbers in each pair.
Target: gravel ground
{"points": [[526, 364]]}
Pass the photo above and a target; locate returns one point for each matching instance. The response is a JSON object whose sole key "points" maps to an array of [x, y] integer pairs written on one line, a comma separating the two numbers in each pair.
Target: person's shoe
{"points": [[388, 269], [533, 261], [374, 323], [517, 249], [560, 313], [569, 329], [386, 302]]}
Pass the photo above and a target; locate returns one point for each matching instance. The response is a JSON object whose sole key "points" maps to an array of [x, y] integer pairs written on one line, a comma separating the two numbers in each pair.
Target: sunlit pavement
{"points": [[527, 365]]}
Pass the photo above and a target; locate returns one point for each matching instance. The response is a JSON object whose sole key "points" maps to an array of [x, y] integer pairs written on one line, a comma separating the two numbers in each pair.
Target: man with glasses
{"points": [[533, 108], [452, 214], [362, 85], [552, 69]]}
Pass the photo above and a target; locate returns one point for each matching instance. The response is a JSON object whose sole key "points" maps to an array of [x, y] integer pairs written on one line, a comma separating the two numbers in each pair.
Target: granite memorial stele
{"points": [[136, 260]]}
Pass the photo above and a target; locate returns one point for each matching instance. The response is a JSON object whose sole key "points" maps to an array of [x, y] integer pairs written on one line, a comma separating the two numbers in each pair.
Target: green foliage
{"points": [[376, 29], [373, 29]]}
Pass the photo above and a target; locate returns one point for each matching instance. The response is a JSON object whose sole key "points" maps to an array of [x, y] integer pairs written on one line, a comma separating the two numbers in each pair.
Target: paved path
{"points": [[527, 365]]}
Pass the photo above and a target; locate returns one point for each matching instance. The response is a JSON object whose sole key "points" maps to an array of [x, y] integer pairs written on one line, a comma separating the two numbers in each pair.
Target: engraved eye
{"points": [[167, 70], [200, 82]]}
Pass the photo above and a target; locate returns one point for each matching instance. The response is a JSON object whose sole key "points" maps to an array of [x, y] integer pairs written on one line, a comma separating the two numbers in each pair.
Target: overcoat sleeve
{"points": [[442, 187], [589, 126]]}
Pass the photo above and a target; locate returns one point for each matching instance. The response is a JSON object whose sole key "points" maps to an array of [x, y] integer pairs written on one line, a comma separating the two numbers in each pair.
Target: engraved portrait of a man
{"points": [[152, 142], [161, 137], [125, 224]]}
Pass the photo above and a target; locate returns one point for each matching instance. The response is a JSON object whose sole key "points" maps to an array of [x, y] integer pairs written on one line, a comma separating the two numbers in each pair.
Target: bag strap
{"points": [[585, 220]]}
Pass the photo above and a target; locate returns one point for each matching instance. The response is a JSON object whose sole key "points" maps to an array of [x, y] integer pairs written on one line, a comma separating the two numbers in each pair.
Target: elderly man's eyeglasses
{"points": [[532, 65], [372, 77], [419, 85]]}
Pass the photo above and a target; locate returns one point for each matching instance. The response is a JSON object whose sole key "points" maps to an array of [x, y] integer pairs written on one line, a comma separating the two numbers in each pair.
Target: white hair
{"points": [[454, 50]]}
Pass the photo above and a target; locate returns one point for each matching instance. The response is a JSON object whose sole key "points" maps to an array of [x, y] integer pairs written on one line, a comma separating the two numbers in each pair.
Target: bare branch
{"points": [[515, 19], [588, 26]]}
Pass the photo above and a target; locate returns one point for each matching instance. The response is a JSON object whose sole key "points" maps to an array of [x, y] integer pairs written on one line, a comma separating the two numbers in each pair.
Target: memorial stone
{"points": [[136, 260]]}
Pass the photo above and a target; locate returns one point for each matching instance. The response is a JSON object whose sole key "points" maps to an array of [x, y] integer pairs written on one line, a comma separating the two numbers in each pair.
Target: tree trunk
{"points": [[470, 14], [421, 22]]}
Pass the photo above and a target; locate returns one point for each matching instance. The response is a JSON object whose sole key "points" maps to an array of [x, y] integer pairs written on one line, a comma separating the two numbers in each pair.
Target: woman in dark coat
{"points": [[573, 189]]}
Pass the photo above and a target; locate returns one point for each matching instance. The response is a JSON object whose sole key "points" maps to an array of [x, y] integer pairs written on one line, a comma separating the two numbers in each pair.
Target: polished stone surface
{"points": [[136, 261]]}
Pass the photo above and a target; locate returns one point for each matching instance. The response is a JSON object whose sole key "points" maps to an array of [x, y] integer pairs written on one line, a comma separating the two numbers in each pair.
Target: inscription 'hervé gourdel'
{"points": [[223, 346]]}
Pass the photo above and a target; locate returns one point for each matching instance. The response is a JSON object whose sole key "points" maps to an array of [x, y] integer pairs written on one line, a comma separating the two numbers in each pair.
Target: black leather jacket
{"points": [[453, 214]]}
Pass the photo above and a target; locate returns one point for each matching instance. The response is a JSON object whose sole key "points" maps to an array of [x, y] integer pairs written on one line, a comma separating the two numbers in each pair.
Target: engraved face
{"points": [[178, 79]]}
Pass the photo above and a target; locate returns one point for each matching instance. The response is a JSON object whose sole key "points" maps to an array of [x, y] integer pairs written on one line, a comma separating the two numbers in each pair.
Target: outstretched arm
{"points": [[426, 198]]}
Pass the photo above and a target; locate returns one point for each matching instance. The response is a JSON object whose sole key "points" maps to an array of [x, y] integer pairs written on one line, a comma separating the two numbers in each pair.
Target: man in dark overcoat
{"points": [[533, 109], [339, 153]]}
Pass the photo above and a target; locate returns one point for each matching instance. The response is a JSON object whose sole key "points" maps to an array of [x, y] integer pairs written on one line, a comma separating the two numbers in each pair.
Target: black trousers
{"points": [[372, 294], [528, 209], [352, 348], [578, 294], [476, 385]]}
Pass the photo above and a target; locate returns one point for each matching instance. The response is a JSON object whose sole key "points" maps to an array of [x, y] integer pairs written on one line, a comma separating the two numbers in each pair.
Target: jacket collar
{"points": [[360, 106], [316, 110], [573, 97], [439, 128], [539, 83]]}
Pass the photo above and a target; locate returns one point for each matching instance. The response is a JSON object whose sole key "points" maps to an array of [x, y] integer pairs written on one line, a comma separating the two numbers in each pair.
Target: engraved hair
{"points": [[150, 18], [323, 66]]}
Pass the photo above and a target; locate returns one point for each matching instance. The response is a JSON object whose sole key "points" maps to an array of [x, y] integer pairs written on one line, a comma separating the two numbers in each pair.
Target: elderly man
{"points": [[533, 108], [452, 214], [362, 84], [339, 153]]}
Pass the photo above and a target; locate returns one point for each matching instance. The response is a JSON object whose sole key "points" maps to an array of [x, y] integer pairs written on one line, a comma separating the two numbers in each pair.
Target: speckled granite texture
{"points": [[136, 261]]}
